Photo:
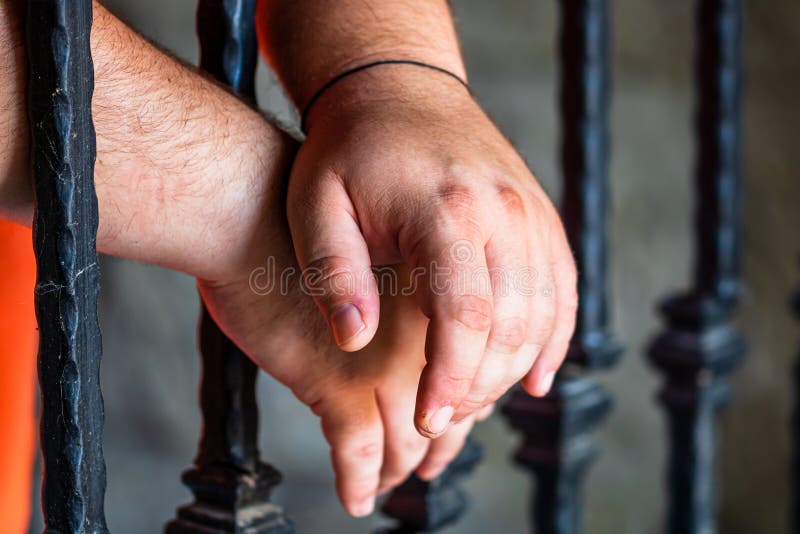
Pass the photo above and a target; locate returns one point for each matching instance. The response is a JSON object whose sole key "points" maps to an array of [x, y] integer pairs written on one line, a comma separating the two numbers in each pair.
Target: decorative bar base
{"points": [[557, 447], [263, 518], [228, 503], [230, 483], [421, 506], [696, 353]]}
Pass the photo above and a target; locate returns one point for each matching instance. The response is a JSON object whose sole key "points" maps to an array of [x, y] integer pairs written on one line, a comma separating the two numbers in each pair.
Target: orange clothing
{"points": [[18, 338]]}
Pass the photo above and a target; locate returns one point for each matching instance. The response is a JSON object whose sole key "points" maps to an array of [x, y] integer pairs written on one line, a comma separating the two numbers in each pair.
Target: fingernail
{"points": [[346, 322], [441, 419], [364, 508], [546, 383]]}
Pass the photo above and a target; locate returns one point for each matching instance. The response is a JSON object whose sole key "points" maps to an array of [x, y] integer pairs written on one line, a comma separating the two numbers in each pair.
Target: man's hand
{"points": [[401, 165], [190, 178], [365, 400]]}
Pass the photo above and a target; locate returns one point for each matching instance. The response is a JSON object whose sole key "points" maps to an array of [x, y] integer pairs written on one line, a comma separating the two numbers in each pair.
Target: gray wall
{"points": [[150, 368]]}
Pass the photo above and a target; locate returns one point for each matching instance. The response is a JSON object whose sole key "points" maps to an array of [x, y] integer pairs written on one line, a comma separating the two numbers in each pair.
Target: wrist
{"points": [[349, 33], [390, 86]]}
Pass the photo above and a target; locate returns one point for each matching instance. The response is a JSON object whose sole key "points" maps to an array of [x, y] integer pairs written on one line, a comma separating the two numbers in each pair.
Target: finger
{"points": [[335, 260], [404, 448], [507, 259], [540, 378], [352, 426], [458, 302], [444, 449], [484, 413], [538, 284]]}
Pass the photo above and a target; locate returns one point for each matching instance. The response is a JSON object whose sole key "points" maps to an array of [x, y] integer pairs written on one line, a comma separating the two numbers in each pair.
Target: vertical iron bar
{"points": [[230, 483], [795, 465], [65, 228], [557, 446], [585, 153], [701, 346]]}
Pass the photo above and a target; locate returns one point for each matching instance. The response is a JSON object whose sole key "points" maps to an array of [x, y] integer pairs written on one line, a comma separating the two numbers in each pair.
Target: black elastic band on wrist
{"points": [[354, 70]]}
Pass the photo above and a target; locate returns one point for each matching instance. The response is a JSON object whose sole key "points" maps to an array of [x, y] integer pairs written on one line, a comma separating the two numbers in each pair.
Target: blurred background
{"points": [[150, 369]]}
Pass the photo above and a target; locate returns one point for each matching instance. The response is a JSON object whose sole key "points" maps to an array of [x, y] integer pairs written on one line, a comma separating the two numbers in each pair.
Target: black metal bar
{"points": [[557, 446], [718, 77], [420, 506], [795, 463], [65, 227], [230, 483], [701, 346], [584, 87]]}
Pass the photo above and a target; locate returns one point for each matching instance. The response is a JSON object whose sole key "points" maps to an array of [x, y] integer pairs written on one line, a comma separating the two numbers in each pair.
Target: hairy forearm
{"points": [[308, 42], [15, 194], [182, 166]]}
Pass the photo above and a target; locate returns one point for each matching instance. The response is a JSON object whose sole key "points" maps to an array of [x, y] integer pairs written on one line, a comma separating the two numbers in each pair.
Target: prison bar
{"points": [[230, 483], [701, 346], [795, 461], [67, 280], [557, 447]]}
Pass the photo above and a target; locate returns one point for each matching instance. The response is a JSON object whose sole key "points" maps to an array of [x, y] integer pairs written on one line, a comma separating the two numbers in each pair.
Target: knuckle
{"points": [[459, 210], [363, 449], [472, 312], [456, 197], [539, 335], [508, 336], [511, 200], [471, 404], [542, 327], [405, 451], [453, 383], [330, 274]]}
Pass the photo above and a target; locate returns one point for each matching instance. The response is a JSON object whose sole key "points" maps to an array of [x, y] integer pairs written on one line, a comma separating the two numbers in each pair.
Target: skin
{"points": [[401, 165], [190, 178]]}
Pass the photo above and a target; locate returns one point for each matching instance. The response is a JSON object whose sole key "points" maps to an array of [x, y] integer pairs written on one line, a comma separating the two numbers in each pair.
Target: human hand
{"points": [[401, 165], [199, 188], [365, 400]]}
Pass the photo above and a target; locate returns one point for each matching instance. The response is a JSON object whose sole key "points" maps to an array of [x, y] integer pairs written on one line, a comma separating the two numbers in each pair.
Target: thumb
{"points": [[335, 262]]}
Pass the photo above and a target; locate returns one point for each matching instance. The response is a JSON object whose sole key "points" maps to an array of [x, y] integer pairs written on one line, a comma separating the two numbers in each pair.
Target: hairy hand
{"points": [[190, 178], [365, 400], [402, 166]]}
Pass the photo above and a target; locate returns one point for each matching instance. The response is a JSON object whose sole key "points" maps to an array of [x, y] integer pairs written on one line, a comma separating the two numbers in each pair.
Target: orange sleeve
{"points": [[18, 338]]}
